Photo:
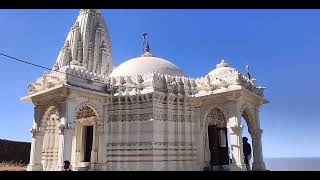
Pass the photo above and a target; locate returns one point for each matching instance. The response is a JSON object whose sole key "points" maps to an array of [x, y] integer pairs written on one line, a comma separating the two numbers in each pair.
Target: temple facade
{"points": [[141, 115]]}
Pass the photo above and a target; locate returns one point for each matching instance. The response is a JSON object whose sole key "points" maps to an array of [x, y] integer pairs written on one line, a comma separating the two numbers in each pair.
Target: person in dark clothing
{"points": [[66, 166], [246, 151]]}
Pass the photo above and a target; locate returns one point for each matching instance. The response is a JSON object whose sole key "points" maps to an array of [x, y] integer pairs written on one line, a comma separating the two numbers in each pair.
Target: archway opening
{"points": [[85, 136], [246, 123], [218, 139]]}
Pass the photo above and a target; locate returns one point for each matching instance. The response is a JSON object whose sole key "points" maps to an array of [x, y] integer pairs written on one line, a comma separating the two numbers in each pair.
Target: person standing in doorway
{"points": [[246, 152]]}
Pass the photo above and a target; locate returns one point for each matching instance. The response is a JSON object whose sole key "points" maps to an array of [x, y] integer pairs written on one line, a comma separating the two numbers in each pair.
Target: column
{"points": [[258, 163], [94, 153], [37, 141], [78, 141], [61, 146], [36, 151], [235, 128], [66, 132], [102, 143], [237, 149]]}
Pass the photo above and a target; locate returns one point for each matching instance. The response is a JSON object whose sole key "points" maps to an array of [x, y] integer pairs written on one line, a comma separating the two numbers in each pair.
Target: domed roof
{"points": [[222, 68], [146, 64]]}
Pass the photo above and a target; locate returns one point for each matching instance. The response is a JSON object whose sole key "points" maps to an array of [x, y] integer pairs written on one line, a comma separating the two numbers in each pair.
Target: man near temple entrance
{"points": [[246, 152]]}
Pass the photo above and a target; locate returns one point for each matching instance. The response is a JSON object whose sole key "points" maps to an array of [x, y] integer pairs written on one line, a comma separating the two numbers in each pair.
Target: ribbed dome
{"points": [[146, 64]]}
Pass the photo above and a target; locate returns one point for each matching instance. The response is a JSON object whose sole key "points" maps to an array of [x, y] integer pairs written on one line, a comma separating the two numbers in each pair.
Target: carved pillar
{"points": [[258, 163], [102, 139], [94, 158], [237, 149], [37, 141], [77, 144], [98, 154], [66, 132], [236, 129], [36, 150]]}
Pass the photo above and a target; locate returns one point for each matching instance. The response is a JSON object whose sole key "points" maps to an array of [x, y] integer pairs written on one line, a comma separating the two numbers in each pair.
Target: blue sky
{"points": [[282, 48]]}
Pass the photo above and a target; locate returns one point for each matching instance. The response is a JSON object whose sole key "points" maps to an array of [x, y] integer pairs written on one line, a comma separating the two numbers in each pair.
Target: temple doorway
{"points": [[218, 140], [218, 145], [88, 143], [86, 139]]}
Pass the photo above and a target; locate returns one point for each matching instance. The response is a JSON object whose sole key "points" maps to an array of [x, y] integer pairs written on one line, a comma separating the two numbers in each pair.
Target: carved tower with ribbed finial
{"points": [[87, 45]]}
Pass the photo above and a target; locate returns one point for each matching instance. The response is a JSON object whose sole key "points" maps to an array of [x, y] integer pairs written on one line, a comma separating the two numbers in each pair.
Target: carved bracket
{"points": [[237, 129]]}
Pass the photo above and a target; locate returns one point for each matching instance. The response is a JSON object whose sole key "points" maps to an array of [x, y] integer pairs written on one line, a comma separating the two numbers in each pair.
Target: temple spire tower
{"points": [[87, 45]]}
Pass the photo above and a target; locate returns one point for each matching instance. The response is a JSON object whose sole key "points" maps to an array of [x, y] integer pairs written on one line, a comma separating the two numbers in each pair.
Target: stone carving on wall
{"points": [[149, 82], [51, 129], [212, 109], [88, 108]]}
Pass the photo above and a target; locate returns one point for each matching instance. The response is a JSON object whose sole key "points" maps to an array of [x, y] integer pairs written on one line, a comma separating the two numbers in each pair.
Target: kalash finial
{"points": [[146, 46], [223, 63]]}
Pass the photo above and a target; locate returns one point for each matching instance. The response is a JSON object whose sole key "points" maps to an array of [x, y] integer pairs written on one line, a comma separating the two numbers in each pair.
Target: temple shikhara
{"points": [[144, 114]]}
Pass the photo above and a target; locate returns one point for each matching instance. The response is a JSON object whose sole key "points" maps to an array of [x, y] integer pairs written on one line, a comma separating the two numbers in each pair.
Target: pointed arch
{"points": [[95, 109], [216, 108], [247, 113], [50, 110]]}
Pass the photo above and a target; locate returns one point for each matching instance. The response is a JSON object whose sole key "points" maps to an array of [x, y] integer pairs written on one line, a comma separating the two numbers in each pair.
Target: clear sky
{"points": [[282, 48]]}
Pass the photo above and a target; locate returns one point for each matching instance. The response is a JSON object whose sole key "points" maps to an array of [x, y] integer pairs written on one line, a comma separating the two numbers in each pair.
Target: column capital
{"points": [[237, 129], [36, 132], [64, 127]]}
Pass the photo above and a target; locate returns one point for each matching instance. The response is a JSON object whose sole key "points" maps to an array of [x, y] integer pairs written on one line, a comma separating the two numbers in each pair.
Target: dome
{"points": [[146, 64], [222, 69]]}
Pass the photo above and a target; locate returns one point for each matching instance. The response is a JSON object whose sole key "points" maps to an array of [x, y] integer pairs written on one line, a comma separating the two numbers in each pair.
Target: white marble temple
{"points": [[142, 115]]}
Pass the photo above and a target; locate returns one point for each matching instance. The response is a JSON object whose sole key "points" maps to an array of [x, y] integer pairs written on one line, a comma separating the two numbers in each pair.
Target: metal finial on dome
{"points": [[248, 73], [146, 46]]}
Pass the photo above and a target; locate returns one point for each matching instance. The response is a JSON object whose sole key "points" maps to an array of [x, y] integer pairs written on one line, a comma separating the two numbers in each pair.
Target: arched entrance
{"points": [[86, 146], [217, 139], [247, 121]]}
